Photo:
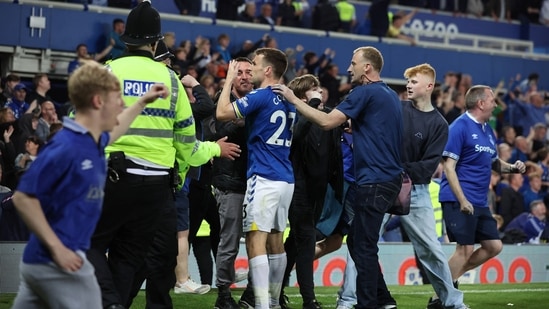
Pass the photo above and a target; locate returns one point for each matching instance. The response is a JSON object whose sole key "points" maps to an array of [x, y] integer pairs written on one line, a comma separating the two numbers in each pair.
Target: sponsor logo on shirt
{"points": [[136, 88], [488, 149]]}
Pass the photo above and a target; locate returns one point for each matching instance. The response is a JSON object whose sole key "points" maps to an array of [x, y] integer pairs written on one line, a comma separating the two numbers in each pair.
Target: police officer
{"points": [[140, 185]]}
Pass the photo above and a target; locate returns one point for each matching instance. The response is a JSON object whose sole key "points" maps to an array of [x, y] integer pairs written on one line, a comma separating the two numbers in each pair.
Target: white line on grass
{"points": [[476, 291]]}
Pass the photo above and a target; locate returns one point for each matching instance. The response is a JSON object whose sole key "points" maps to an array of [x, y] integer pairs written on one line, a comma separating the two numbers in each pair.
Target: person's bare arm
{"points": [[225, 109], [129, 114], [31, 212], [325, 121], [450, 171]]}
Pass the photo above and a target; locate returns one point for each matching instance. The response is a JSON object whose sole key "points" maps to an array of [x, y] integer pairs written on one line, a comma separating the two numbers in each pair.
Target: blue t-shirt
{"points": [[67, 177], [473, 146], [269, 123], [376, 114]]}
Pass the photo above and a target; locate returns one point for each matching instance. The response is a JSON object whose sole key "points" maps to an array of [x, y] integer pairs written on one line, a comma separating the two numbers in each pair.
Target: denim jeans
{"points": [[370, 204], [420, 227]]}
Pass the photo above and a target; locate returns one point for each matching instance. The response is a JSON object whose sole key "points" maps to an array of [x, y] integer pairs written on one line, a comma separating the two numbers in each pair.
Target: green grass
{"points": [[477, 296]]}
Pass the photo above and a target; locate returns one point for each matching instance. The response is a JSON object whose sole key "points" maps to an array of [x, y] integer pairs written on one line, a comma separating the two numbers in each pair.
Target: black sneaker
{"points": [[312, 305], [435, 304], [225, 302], [247, 300], [284, 301]]}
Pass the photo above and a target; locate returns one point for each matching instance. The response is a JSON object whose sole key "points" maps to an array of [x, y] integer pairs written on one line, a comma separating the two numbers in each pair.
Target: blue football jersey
{"points": [[473, 146], [269, 123]]}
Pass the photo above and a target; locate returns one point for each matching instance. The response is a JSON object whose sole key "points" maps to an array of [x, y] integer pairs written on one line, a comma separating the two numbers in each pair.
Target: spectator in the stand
{"points": [[290, 13], [266, 15], [451, 81], [493, 197], [465, 83], [336, 89], [527, 114], [48, 116], [169, 41], [544, 13], [521, 150], [248, 47], [475, 7], [512, 201], [501, 9], [379, 18], [505, 151], [11, 81], [118, 47], [397, 22], [457, 104], [82, 56], [25, 159], [325, 16], [292, 70], [42, 85], [508, 135], [222, 47], [18, 104], [7, 148], [347, 15], [227, 9], [539, 139], [528, 13], [533, 191], [531, 223], [189, 7], [248, 15], [316, 65]]}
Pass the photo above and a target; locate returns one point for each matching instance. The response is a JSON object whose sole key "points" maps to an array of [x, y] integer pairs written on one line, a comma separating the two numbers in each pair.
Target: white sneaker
{"points": [[191, 287], [240, 276]]}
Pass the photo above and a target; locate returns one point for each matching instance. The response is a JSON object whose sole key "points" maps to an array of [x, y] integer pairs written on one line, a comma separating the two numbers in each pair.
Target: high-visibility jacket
{"points": [[346, 11], [434, 188], [165, 129]]}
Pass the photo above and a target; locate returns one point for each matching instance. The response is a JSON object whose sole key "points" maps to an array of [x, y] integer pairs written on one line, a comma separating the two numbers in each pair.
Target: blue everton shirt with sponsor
{"points": [[473, 146], [67, 177], [269, 123]]}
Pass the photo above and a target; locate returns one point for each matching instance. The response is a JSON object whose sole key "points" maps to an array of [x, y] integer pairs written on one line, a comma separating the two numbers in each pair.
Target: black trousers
{"points": [[203, 206], [126, 228], [300, 244], [159, 266]]}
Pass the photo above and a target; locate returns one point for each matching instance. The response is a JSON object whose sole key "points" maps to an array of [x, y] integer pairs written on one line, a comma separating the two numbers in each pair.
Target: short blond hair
{"points": [[89, 80], [424, 69], [373, 55]]}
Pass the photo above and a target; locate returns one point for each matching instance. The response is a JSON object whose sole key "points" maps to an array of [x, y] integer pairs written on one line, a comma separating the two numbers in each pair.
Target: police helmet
{"points": [[142, 26], [162, 52]]}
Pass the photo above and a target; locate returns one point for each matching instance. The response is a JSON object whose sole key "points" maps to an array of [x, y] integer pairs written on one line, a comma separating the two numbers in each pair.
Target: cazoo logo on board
{"points": [[428, 27]]}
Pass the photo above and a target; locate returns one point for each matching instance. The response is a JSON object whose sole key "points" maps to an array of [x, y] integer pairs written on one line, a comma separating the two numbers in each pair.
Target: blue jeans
{"points": [[370, 204], [420, 227]]}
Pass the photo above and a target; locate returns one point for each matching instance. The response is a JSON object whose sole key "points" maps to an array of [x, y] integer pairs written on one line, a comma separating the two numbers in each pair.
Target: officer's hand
{"points": [[228, 150], [155, 92]]}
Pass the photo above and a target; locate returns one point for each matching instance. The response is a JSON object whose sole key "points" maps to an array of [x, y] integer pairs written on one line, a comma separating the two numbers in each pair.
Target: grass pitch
{"points": [[477, 296]]}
